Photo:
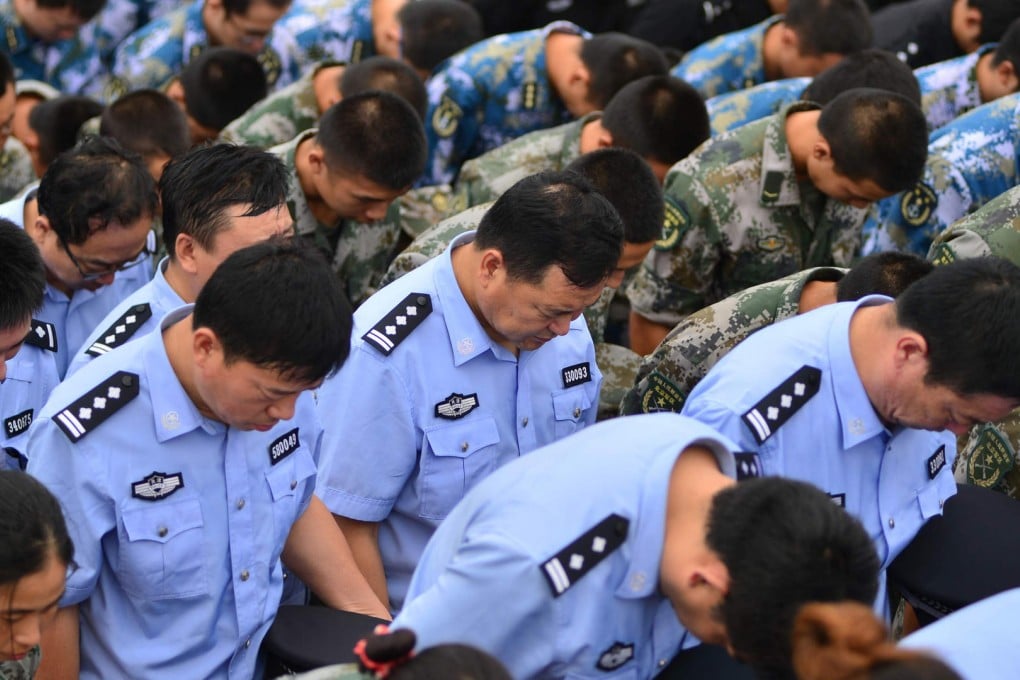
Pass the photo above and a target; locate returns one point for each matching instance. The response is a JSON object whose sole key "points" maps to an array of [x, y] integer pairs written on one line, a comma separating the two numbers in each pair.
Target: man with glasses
{"points": [[91, 219], [155, 53]]}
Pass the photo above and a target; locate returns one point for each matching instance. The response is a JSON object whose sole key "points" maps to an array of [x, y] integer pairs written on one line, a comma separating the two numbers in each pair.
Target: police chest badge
{"points": [[575, 375], [918, 204], [615, 656], [18, 423], [283, 446], [446, 117], [456, 406], [157, 486], [675, 222]]}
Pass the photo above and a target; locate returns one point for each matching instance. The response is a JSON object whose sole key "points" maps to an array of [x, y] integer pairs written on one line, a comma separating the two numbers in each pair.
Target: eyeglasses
{"points": [[94, 271]]}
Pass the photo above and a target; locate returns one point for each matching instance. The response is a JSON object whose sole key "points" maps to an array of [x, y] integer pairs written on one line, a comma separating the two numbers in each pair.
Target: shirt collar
{"points": [[165, 296], [195, 39], [778, 178]]}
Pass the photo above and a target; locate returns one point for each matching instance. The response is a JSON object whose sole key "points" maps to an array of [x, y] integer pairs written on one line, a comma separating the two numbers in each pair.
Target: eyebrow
{"points": [[29, 611]]}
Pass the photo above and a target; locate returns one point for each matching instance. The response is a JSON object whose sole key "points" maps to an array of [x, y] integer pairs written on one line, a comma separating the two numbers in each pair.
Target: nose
{"points": [[283, 409], [959, 428], [561, 325], [105, 279], [376, 212], [27, 632]]}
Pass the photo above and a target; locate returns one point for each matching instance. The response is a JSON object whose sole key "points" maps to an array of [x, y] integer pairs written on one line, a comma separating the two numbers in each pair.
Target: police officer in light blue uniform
{"points": [[978, 642], [733, 109], [450, 379], [970, 161], [734, 61], [336, 30]]}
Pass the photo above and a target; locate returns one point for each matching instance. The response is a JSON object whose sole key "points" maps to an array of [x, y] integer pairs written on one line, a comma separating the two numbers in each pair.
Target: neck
{"points": [[816, 294], [562, 53], [590, 136], [466, 263], [178, 340], [771, 51], [325, 85], [869, 332], [801, 134], [693, 483], [303, 168], [180, 281], [984, 73]]}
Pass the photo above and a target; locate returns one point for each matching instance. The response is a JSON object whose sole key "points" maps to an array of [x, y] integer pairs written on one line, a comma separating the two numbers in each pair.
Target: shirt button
{"points": [[245, 575], [577, 413], [464, 446], [293, 484], [240, 504], [662, 663], [524, 421], [162, 531], [892, 523], [247, 643]]}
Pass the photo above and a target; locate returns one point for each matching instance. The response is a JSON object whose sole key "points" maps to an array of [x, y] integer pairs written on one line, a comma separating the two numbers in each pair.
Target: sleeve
{"points": [[451, 123], [66, 470], [135, 67], [489, 594], [370, 442]]}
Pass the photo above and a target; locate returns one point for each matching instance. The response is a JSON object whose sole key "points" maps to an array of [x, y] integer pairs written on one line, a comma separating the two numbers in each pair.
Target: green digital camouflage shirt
{"points": [[15, 169], [737, 216], [988, 452], [697, 343]]}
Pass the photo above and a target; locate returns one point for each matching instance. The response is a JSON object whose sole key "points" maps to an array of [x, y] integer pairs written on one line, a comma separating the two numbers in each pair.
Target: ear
{"points": [[712, 573], [604, 139], [205, 346], [820, 150], [317, 159], [788, 38], [1007, 76], [184, 252], [911, 348], [489, 267], [39, 227]]}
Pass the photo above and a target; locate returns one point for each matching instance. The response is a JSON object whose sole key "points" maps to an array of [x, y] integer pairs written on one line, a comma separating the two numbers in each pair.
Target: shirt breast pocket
{"points": [[630, 673], [286, 482], [162, 553], [569, 407], [458, 456]]}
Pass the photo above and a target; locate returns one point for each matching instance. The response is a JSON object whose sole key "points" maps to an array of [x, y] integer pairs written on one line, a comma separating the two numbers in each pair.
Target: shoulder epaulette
{"points": [[770, 413], [748, 465], [91, 410], [398, 324], [569, 565], [121, 330], [42, 335]]}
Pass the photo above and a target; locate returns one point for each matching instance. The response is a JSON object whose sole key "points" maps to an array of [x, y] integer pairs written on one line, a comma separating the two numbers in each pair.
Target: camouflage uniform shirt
{"points": [[950, 88], [21, 669], [696, 344], [153, 55], [488, 94], [733, 109], [72, 66], [970, 161], [736, 216], [120, 18], [15, 169], [360, 251], [730, 62], [279, 117], [332, 29]]}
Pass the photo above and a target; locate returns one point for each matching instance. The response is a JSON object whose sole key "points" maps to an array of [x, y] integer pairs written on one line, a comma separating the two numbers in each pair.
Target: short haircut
{"points": [[877, 135], [638, 200], [92, 185], [996, 16], [376, 135], [388, 75], [615, 59], [1008, 48], [221, 84], [32, 528], [887, 273], [148, 123], [198, 189], [232, 7], [784, 543], [432, 30], [553, 218], [84, 9], [7, 78], [57, 121], [659, 117], [278, 305], [829, 26], [22, 276], [872, 67], [969, 314]]}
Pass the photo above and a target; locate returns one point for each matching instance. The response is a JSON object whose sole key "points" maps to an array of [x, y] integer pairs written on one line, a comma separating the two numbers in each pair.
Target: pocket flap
{"points": [[163, 520], [285, 477], [570, 404], [463, 439]]}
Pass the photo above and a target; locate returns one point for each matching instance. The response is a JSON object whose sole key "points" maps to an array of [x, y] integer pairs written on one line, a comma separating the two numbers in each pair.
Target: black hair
{"points": [[888, 273], [659, 117], [376, 135], [638, 200], [22, 276], [432, 30], [996, 16], [791, 536], [199, 188], [872, 67], [969, 314], [615, 59], [388, 75], [829, 26], [553, 218], [57, 121], [442, 662], [877, 135], [221, 84], [148, 123], [1008, 48], [32, 527], [92, 185], [6, 73], [232, 7], [278, 305], [84, 9]]}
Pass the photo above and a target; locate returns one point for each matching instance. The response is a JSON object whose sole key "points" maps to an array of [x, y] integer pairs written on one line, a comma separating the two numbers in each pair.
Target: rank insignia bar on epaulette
{"points": [[42, 335], [121, 330], [92, 409], [570, 564], [398, 324], [781, 403]]}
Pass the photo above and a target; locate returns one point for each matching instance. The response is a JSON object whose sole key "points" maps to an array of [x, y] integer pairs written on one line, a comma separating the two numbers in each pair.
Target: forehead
{"points": [[555, 290], [269, 378], [261, 13], [13, 335]]}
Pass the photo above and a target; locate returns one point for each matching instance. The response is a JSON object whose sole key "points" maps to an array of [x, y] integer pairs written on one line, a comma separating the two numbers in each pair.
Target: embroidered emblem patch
{"points": [[917, 204], [675, 222], [121, 330], [575, 375], [781, 403], [283, 446], [941, 254], [446, 117], [18, 423], [157, 486], [42, 335], [615, 656], [661, 395], [748, 465], [937, 461], [771, 244], [992, 458], [584, 554], [398, 324], [456, 406], [91, 410]]}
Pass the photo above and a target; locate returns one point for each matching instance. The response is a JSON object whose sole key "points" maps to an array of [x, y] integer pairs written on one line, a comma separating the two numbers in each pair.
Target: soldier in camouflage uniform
{"points": [[809, 38], [120, 18], [512, 84], [970, 161], [758, 203], [153, 55], [988, 453], [345, 30], [345, 176], [42, 48]]}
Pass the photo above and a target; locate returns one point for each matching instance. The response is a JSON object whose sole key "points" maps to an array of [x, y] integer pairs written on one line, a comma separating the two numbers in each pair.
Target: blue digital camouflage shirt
{"points": [[730, 62], [733, 109], [949, 88], [338, 30]]}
